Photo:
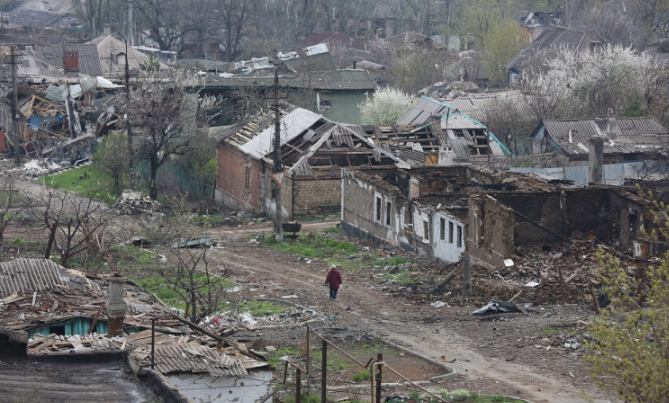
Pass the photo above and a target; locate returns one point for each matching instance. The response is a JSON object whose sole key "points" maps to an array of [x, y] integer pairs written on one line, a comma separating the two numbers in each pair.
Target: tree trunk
{"points": [[153, 189]]}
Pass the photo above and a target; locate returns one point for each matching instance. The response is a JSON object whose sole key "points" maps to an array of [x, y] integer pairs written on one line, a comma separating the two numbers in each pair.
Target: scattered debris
{"points": [[501, 307]]}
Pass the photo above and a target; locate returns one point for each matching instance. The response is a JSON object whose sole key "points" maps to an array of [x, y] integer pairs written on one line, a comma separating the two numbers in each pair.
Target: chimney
{"points": [[116, 306], [435, 122], [596, 159], [611, 128], [106, 29]]}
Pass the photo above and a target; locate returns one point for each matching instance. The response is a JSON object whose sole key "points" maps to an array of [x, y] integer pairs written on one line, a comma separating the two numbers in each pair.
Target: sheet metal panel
{"points": [[292, 125], [30, 275], [194, 358]]}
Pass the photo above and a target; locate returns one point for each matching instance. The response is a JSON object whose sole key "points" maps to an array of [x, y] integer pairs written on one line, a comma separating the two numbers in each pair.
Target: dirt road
{"points": [[486, 353]]}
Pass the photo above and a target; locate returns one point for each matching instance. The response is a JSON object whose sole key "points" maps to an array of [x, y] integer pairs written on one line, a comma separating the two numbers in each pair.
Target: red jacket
{"points": [[333, 279]]}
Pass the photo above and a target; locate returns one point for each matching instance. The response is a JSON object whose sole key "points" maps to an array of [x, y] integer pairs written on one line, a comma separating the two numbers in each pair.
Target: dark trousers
{"points": [[333, 293]]}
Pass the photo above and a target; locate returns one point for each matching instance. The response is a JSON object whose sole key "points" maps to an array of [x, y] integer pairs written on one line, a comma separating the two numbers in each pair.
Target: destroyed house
{"points": [[625, 139], [444, 212], [465, 139], [313, 150], [77, 322], [422, 210]]}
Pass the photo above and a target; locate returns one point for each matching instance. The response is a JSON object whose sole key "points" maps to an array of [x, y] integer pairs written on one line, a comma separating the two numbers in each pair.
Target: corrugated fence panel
{"points": [[172, 175], [613, 174]]}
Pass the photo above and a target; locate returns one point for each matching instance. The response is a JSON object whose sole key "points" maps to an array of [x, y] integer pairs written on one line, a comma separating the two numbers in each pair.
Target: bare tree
{"points": [[12, 204], [166, 112], [163, 20], [233, 15], [608, 23], [195, 281], [73, 221]]}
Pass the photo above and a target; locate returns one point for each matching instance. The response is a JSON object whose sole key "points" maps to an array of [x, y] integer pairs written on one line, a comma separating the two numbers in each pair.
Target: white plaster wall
{"points": [[418, 218], [443, 249], [209, 389]]}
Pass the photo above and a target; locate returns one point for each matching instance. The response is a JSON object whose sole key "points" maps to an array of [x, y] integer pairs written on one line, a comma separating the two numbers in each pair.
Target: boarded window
{"points": [[442, 229], [450, 232], [377, 209], [459, 236], [71, 61], [387, 213], [247, 177], [426, 230]]}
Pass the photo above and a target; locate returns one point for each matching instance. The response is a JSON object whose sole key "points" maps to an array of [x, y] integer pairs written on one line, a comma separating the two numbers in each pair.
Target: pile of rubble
{"points": [[132, 202], [229, 322], [41, 344]]}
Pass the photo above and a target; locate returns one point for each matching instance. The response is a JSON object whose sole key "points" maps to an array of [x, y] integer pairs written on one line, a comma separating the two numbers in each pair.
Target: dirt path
{"points": [[408, 324]]}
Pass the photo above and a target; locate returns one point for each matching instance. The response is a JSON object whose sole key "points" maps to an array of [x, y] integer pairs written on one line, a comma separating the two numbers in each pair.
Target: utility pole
{"points": [[131, 154], [15, 118], [278, 165]]}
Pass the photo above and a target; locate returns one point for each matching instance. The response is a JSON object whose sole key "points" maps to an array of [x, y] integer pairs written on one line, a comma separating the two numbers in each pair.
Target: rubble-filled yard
{"points": [[387, 294]]}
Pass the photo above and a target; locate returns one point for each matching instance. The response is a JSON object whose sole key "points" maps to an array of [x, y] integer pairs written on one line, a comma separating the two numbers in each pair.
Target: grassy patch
{"points": [[96, 182], [401, 278], [332, 230], [260, 308], [362, 376], [320, 217], [314, 247], [208, 220], [275, 357]]}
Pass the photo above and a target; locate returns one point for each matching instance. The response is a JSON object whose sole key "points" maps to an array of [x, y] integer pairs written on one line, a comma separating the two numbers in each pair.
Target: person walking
{"points": [[334, 281]]}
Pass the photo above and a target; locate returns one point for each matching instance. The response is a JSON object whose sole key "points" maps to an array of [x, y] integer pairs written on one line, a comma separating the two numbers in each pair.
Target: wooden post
{"points": [[298, 385], [379, 378], [324, 370], [466, 277]]}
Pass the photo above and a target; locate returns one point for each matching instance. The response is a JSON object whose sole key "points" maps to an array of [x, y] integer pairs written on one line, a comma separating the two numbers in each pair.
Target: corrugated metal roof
{"points": [[30, 275], [317, 62], [196, 359], [89, 61], [294, 123], [633, 135]]}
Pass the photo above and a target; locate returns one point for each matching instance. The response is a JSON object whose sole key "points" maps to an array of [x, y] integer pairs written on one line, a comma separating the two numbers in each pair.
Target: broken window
{"points": [[426, 230], [459, 236], [388, 213], [450, 232], [247, 177], [442, 229], [377, 209]]}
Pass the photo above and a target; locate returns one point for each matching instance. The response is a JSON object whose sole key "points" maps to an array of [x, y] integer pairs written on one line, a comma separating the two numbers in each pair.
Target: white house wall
{"points": [[206, 388], [446, 249]]}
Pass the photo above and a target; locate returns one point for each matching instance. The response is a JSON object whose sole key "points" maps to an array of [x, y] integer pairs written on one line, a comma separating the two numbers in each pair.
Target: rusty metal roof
{"points": [[196, 359], [29, 275]]}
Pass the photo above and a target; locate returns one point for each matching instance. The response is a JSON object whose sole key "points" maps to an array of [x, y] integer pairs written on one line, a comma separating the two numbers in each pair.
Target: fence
{"points": [[175, 176], [613, 174]]}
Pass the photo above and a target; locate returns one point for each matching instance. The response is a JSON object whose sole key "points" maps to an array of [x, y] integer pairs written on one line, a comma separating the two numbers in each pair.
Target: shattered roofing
{"points": [[30, 275], [550, 37], [634, 135]]}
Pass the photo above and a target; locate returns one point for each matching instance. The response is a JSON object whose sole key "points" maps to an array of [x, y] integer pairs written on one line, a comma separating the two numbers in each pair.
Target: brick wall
{"points": [[543, 208], [310, 193], [232, 186]]}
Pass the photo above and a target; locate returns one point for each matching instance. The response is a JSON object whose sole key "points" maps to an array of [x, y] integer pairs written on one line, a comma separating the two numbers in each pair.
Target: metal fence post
{"points": [[324, 369]]}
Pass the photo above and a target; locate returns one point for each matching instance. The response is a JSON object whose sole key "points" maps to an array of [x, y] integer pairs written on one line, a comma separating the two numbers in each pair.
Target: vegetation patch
{"points": [[88, 181], [260, 308]]}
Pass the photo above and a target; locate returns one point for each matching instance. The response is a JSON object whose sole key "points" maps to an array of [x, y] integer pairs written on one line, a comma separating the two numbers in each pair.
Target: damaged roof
{"points": [[551, 37], [30, 275], [89, 60], [625, 136], [337, 80], [465, 135], [308, 140]]}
